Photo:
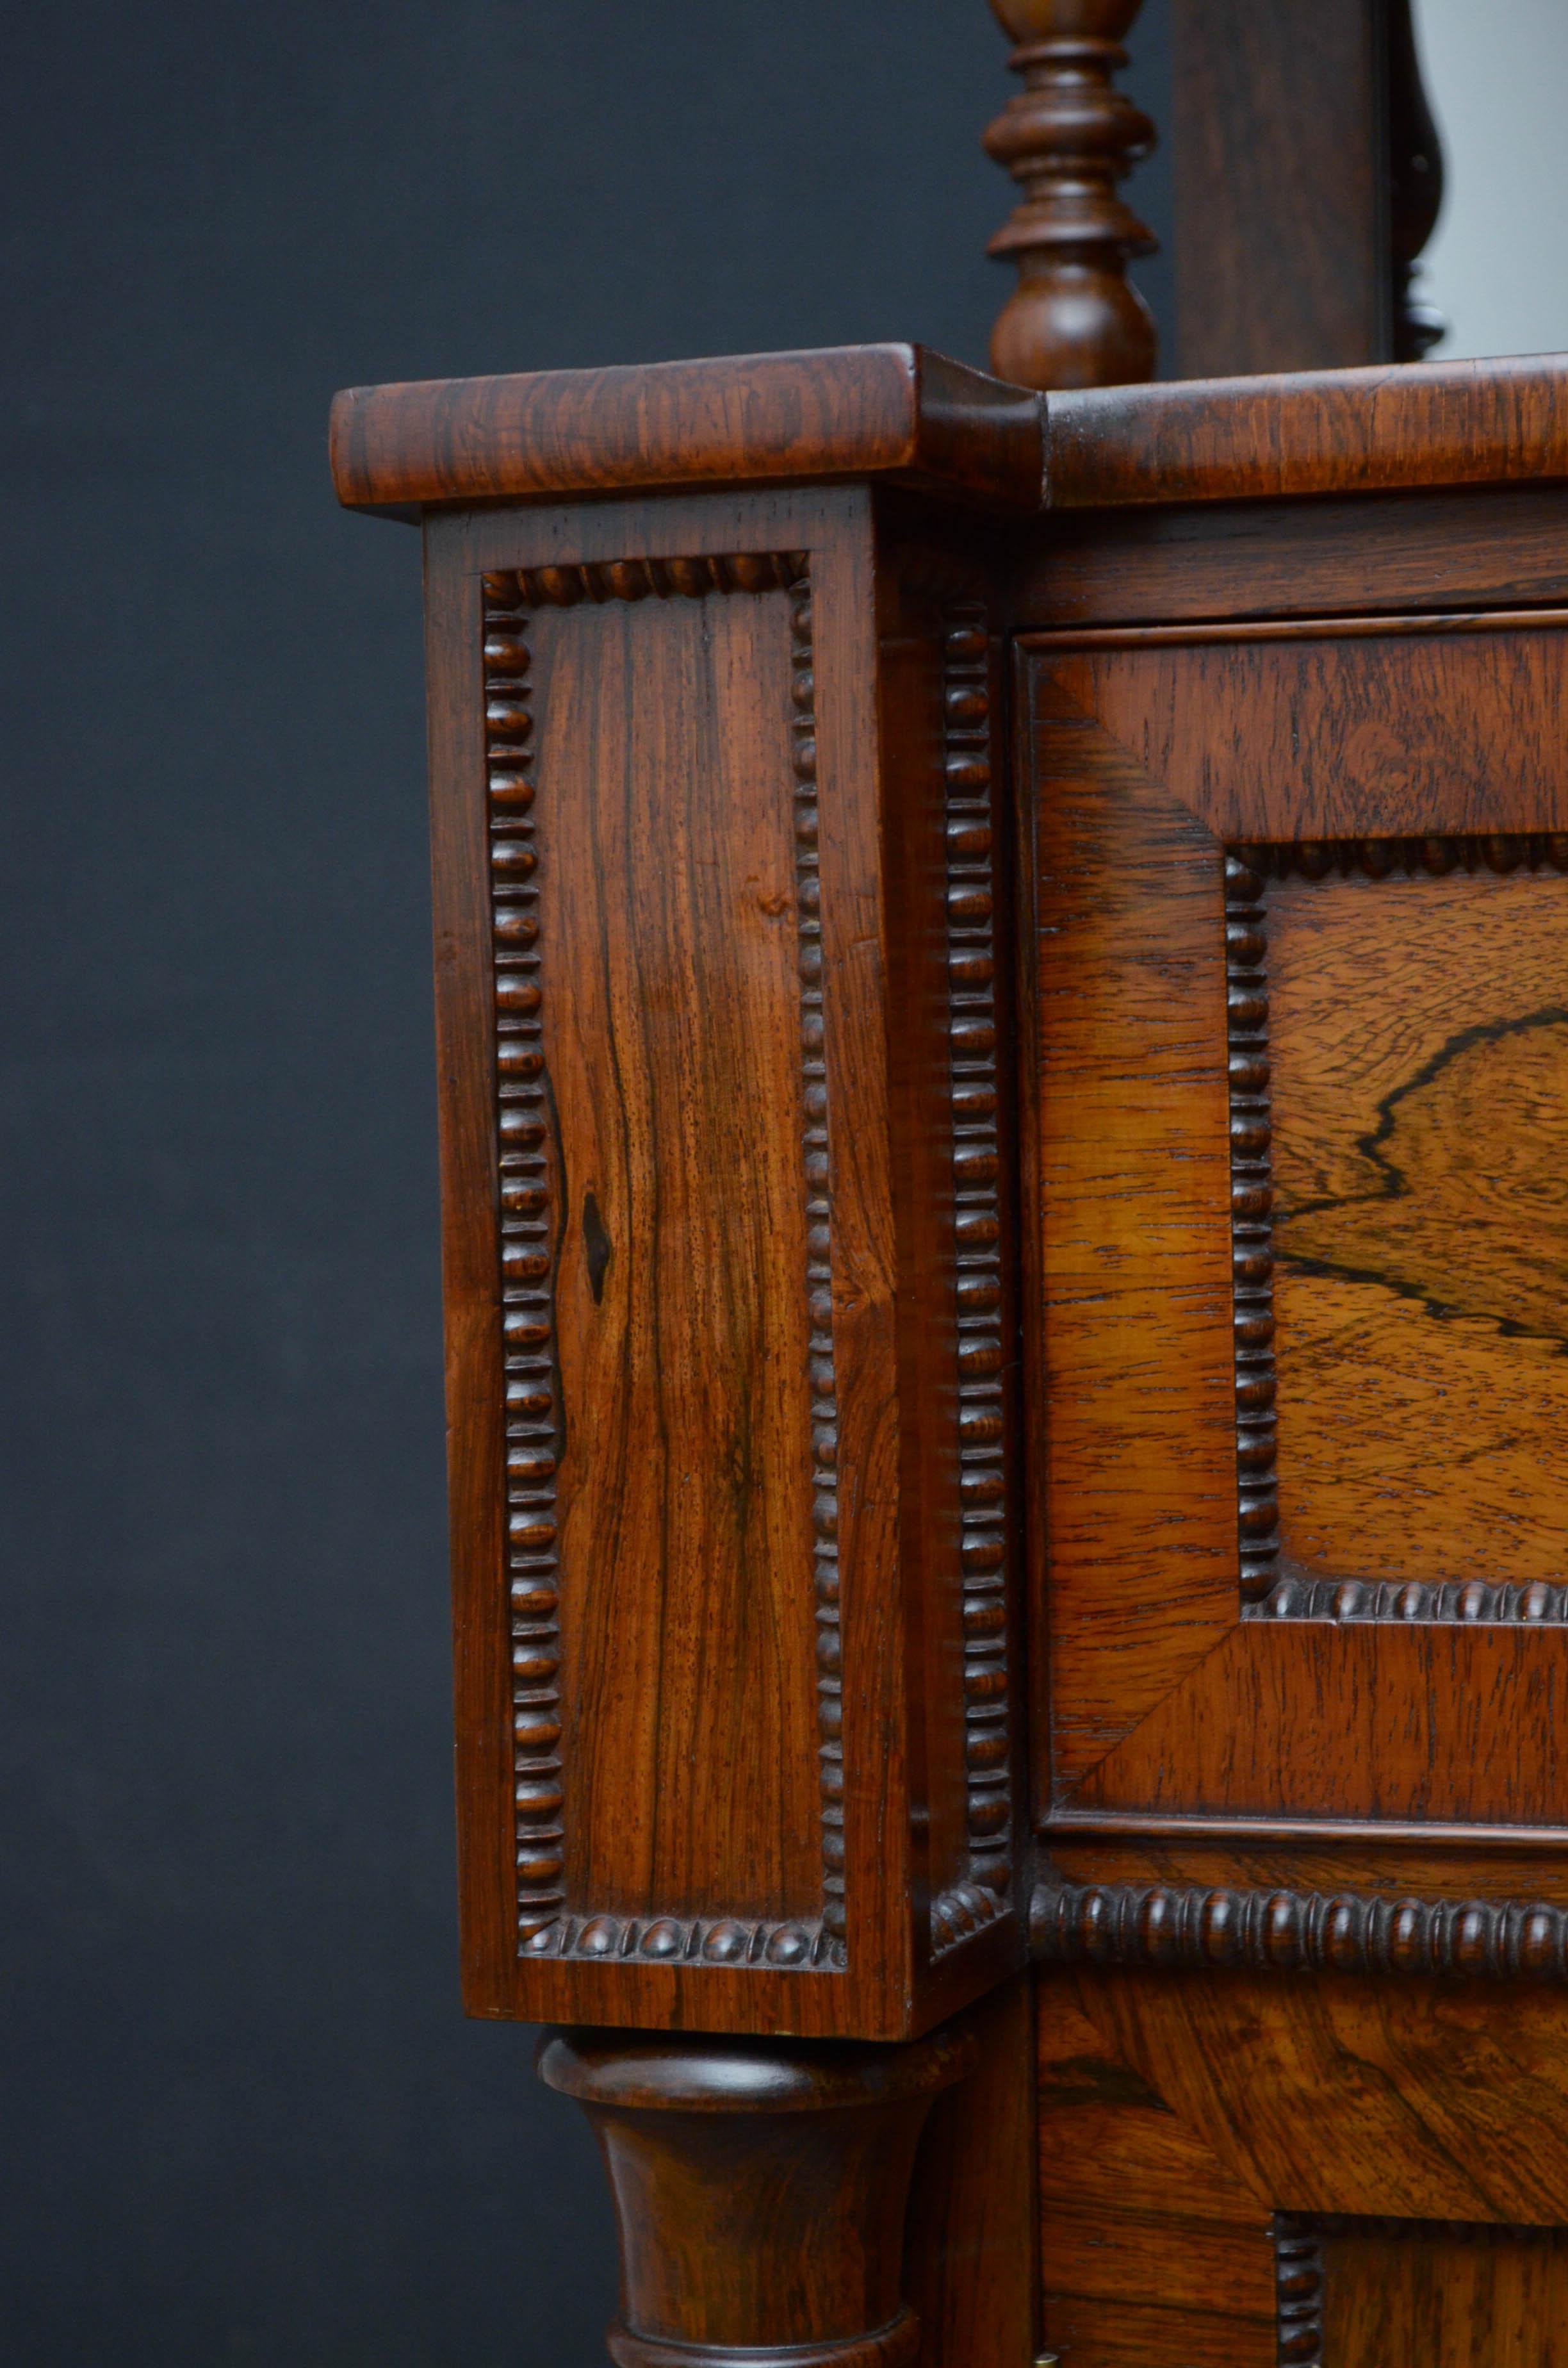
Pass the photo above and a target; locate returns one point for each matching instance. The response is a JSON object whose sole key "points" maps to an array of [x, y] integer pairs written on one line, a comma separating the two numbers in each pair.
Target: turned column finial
{"points": [[760, 2188], [1067, 138]]}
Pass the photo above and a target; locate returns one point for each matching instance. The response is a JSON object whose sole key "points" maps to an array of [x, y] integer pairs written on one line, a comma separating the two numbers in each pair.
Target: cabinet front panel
{"points": [[1300, 916]]}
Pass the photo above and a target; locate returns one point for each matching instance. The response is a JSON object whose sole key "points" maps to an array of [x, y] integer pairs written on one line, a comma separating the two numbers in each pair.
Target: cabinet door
{"points": [[1300, 1458]]}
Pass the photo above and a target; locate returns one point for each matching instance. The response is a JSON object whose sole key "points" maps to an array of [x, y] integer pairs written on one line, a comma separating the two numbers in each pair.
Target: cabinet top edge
{"points": [[849, 411], [1391, 427]]}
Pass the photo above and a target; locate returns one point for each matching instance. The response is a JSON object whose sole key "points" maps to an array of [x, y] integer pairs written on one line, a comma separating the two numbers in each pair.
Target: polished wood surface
{"points": [[683, 1469], [1319, 432], [727, 1280], [1186, 2127], [1280, 148], [760, 2193], [1135, 1468], [1067, 138], [849, 411], [1419, 1227], [743, 1162], [1452, 2293], [1409, 764], [1474, 547], [969, 2237]]}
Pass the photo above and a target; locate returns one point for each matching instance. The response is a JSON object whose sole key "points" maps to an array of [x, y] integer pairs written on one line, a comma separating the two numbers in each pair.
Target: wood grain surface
{"points": [[1417, 2099], [742, 773], [969, 2243], [1282, 256], [843, 411], [1135, 1464], [1068, 137], [1154, 2253], [1450, 2296], [1330, 431], [1417, 1435], [1418, 1044], [759, 2190], [1372, 736], [1180, 2114], [1477, 546], [1378, 1718], [672, 1038]]}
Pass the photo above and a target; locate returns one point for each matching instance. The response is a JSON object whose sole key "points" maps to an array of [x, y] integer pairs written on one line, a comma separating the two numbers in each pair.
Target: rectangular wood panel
{"points": [[1461, 2295], [672, 1033], [1135, 1462], [1418, 1046], [1341, 730], [1340, 843]]}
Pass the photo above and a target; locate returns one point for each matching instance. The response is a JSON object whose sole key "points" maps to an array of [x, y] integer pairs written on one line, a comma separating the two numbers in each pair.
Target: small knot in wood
{"points": [[1068, 138]]}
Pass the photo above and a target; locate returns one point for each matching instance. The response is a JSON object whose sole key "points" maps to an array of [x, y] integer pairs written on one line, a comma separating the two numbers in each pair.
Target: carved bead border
{"points": [[1252, 1205], [1269, 1588], [974, 1086], [1299, 2291], [524, 1127], [1213, 1928]]}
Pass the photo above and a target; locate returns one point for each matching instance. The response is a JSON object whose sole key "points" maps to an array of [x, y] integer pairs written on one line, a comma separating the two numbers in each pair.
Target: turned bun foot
{"points": [[760, 2189]]}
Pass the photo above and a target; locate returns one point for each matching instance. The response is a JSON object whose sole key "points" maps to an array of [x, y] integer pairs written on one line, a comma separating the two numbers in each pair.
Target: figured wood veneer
{"points": [[1313, 432], [1390, 764], [1359, 2293], [1399, 1094], [841, 412]]}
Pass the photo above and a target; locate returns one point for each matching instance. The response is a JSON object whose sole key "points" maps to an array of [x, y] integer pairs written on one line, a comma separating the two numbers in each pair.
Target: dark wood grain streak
{"points": [[850, 411], [1419, 1225]]}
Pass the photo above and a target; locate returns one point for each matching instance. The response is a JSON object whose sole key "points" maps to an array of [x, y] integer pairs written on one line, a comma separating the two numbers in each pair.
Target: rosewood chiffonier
{"points": [[1002, 963]]}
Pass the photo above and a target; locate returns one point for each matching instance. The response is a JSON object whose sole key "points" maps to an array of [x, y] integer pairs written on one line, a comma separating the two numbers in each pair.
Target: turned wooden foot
{"points": [[760, 2188]]}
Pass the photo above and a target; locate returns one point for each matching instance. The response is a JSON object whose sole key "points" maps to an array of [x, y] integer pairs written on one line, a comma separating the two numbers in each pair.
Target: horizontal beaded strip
{"points": [[1293, 1932], [1457, 1602]]}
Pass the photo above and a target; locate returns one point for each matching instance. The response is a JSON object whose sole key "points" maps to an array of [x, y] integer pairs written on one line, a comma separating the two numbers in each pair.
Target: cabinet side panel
{"points": [[471, 1268]]}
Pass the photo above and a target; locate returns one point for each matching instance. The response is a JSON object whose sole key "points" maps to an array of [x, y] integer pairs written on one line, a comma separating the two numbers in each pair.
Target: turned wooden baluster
{"points": [[1068, 138]]}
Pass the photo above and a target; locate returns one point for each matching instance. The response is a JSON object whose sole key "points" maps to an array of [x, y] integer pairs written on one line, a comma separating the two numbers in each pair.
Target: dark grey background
{"points": [[241, 2116]]}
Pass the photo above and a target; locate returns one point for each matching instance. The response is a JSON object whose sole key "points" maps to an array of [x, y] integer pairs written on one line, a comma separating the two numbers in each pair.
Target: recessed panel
{"points": [[690, 1140], [1372, 2292], [1418, 1107]]}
